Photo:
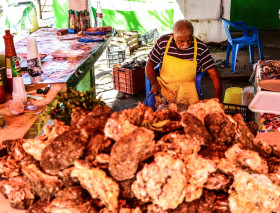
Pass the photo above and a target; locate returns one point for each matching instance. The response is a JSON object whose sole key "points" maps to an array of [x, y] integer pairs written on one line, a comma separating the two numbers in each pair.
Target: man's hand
{"points": [[155, 88]]}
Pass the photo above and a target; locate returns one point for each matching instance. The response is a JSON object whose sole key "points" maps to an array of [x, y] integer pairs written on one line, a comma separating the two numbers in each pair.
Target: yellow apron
{"points": [[177, 78]]}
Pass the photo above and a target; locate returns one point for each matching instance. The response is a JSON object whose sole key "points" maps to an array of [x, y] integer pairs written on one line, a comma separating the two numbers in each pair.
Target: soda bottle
{"points": [[11, 60], [99, 15], [2, 90]]}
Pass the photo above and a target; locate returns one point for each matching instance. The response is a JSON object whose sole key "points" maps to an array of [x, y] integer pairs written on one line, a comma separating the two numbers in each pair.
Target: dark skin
{"points": [[183, 38]]}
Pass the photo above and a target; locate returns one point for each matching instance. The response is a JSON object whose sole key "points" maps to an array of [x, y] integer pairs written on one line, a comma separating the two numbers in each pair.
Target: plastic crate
{"points": [[115, 55], [149, 36], [233, 109], [129, 81]]}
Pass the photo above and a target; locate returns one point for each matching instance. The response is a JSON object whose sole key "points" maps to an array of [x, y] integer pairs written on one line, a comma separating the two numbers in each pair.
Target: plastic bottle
{"points": [[12, 61], [99, 15], [72, 26], [2, 91]]}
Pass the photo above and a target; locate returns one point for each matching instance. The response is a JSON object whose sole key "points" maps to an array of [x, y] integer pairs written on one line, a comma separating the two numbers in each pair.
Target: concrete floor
{"points": [[244, 69]]}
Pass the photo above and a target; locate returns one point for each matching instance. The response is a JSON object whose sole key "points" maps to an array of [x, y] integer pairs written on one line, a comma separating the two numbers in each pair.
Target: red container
{"points": [[129, 81]]}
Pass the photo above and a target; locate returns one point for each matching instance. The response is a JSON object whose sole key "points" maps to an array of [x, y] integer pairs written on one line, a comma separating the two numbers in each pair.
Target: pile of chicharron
{"points": [[196, 159]]}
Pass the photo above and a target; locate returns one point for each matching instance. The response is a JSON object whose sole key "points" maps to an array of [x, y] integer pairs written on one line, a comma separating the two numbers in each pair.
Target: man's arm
{"points": [[214, 75], [150, 73]]}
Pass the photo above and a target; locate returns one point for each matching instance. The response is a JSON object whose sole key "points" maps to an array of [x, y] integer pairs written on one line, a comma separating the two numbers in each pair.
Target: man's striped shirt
{"points": [[204, 59]]}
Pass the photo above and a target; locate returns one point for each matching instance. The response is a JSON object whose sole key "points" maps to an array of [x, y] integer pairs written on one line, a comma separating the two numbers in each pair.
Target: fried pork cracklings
{"points": [[129, 151], [162, 182], [253, 193], [138, 160], [98, 184]]}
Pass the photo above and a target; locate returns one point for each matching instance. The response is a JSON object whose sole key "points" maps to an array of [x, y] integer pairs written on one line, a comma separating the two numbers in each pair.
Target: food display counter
{"points": [[61, 69], [267, 77]]}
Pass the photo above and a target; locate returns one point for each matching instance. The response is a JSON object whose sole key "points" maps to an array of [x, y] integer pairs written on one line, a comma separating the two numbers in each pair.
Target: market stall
{"points": [[66, 62], [266, 101]]}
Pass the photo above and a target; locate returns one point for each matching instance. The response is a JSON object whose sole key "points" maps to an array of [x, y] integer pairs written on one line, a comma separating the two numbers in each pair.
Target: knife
{"points": [[162, 98], [46, 89]]}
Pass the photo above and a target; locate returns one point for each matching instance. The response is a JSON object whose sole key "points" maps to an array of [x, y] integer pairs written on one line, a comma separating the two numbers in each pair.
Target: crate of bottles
{"points": [[115, 55], [129, 81]]}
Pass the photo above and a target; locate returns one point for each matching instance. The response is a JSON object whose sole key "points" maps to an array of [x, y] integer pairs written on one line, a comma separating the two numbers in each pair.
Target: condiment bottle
{"points": [[82, 20], [2, 91], [87, 19], [72, 25], [99, 15], [77, 16], [11, 59]]}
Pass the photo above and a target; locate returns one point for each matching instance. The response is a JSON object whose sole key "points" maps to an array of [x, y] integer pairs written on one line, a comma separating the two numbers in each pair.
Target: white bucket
{"points": [[247, 95]]}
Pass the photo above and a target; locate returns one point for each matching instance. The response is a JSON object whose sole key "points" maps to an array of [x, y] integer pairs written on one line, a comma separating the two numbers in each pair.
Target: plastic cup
{"points": [[19, 92], [16, 107]]}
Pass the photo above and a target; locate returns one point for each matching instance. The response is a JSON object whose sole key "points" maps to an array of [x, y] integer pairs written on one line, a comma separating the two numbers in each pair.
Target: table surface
{"points": [[56, 72]]}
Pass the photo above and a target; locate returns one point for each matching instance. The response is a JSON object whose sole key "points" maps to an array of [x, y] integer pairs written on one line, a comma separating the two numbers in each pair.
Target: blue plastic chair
{"points": [[244, 41], [150, 98]]}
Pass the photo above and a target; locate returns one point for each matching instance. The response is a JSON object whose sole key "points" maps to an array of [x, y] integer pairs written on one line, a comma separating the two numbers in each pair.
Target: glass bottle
{"points": [[2, 90], [11, 60], [82, 17], [99, 15], [77, 16]]}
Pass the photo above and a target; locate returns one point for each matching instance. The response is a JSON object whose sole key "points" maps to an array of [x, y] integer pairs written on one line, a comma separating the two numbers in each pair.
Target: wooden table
{"points": [[61, 73]]}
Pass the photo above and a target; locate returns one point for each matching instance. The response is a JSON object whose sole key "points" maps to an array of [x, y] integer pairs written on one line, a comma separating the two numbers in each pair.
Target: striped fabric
{"points": [[204, 59]]}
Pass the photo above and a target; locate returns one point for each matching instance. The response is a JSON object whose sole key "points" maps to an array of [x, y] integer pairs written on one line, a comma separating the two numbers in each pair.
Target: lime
{"points": [[2, 121]]}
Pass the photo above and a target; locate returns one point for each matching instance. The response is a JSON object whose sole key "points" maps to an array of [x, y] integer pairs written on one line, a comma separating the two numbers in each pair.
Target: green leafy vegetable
{"points": [[65, 101]]}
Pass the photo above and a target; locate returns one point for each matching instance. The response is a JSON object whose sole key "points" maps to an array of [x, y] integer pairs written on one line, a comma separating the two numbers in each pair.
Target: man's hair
{"points": [[182, 24]]}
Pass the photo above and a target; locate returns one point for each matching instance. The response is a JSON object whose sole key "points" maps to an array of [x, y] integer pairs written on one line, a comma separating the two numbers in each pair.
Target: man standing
{"points": [[182, 56]]}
